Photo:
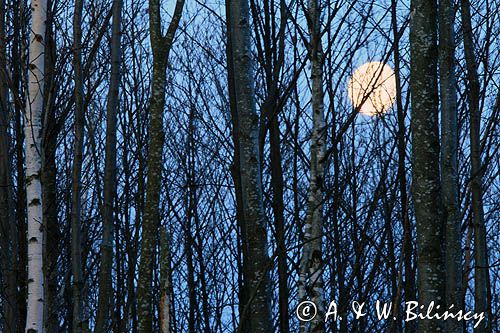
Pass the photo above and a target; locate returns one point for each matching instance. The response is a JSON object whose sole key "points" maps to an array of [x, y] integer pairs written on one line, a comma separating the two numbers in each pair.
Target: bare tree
{"points": [[199, 170], [256, 260], [8, 230], [32, 132], [161, 45], [76, 238], [409, 281], [105, 282], [449, 159], [425, 167], [481, 271], [311, 264]]}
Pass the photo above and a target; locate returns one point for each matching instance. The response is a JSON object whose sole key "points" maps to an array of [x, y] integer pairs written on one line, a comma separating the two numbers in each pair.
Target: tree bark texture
{"points": [[449, 160], [311, 264], [425, 166], [113, 103], [161, 46], [33, 156], [257, 263], [481, 268]]}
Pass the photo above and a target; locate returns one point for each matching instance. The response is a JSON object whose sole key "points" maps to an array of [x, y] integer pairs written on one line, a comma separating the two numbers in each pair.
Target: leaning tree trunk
{"points": [[311, 264], [161, 46], [449, 160], [32, 132], [105, 284], [257, 263], [425, 143], [76, 251], [481, 270]]}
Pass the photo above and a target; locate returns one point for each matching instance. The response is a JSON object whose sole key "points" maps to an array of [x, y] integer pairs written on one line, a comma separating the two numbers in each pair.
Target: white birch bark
{"points": [[311, 264], [33, 130]]}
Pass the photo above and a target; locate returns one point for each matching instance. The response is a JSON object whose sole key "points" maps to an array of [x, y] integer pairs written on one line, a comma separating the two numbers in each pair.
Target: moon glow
{"points": [[372, 88]]}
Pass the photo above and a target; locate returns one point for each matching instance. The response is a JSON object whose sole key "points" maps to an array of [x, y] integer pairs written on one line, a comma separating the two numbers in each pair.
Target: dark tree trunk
{"points": [[161, 46], [51, 130], [449, 160], [482, 302], [20, 199], [8, 229], [79, 128], [409, 281], [104, 309], [236, 175], [426, 151], [256, 263]]}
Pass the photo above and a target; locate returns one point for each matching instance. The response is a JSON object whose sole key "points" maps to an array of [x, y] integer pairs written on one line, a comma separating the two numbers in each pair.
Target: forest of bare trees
{"points": [[249, 166]]}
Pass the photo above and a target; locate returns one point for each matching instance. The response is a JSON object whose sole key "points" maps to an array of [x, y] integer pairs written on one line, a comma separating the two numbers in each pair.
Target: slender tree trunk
{"points": [[161, 46], [481, 268], [449, 160], [311, 264], [32, 132], [202, 264], [190, 206], [165, 269], [409, 281], [52, 246], [279, 218], [50, 135], [105, 282], [20, 196], [236, 175], [8, 229], [257, 263], [426, 181], [273, 60], [76, 237]]}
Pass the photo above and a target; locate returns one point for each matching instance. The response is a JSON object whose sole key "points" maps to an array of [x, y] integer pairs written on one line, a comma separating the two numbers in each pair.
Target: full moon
{"points": [[372, 88]]}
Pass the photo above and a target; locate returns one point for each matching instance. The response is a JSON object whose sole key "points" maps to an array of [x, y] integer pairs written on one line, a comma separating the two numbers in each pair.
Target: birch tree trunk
{"points": [[105, 282], [449, 160], [481, 269], [425, 143], [311, 264], [161, 46], [76, 255], [257, 261], [33, 155]]}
